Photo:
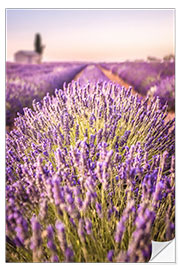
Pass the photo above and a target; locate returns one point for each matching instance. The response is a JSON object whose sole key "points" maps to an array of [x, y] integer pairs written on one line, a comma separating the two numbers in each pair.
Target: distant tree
{"points": [[38, 45], [169, 57], [152, 58]]}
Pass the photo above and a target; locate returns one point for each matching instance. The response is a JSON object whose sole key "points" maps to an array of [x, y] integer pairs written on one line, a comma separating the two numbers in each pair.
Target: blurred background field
{"points": [[59, 46], [26, 82], [90, 141]]}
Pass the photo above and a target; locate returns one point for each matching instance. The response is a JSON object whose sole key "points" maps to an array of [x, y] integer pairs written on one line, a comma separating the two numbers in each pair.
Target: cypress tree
{"points": [[37, 44]]}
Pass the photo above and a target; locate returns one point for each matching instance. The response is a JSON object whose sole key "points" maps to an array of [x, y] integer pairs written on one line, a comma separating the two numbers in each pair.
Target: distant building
{"points": [[31, 57], [27, 57]]}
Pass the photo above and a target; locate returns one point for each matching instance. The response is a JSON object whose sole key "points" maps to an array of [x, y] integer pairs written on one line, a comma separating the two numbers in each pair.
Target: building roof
{"points": [[27, 53]]}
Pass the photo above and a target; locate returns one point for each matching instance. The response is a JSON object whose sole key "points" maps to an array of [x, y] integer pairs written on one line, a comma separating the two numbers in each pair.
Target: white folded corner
{"points": [[163, 252]]}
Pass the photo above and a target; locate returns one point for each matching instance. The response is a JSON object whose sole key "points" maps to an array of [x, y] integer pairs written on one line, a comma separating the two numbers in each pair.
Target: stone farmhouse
{"points": [[31, 57], [27, 57]]}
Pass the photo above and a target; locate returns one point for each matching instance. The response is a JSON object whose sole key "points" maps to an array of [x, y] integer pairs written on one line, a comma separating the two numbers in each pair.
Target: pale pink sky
{"points": [[92, 35]]}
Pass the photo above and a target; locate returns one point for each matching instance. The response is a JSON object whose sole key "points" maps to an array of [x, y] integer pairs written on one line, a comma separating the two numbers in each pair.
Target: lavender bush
{"points": [[90, 177], [27, 82]]}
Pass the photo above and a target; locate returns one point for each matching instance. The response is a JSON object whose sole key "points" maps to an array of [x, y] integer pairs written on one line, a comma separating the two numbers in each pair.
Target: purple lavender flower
{"points": [[61, 235], [69, 254], [158, 191], [21, 229], [50, 236], [88, 226], [119, 231], [36, 240], [81, 230], [110, 255]]}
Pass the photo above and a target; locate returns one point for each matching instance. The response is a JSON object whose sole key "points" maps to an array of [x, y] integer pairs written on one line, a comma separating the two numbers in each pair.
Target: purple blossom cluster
{"points": [[90, 177], [26, 82]]}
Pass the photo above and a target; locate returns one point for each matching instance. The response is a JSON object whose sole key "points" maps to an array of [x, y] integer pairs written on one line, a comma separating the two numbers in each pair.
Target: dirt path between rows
{"points": [[78, 75], [115, 78]]}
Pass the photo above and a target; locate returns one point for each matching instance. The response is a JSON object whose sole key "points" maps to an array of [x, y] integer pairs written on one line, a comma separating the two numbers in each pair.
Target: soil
{"points": [[78, 75], [115, 78]]}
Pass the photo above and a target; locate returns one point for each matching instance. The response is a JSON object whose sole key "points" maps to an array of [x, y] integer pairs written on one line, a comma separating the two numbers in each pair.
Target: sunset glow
{"points": [[92, 35]]}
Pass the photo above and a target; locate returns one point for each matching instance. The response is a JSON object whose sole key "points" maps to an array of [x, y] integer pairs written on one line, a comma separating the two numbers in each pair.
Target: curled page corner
{"points": [[163, 251]]}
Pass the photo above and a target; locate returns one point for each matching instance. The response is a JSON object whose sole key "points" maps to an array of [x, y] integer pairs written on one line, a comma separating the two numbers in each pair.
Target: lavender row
{"points": [[28, 82], [25, 71], [165, 90], [92, 74], [90, 177], [144, 76]]}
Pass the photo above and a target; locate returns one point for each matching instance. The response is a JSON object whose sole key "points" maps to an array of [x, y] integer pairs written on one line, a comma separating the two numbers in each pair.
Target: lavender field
{"points": [[90, 162], [24, 83], [148, 77]]}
